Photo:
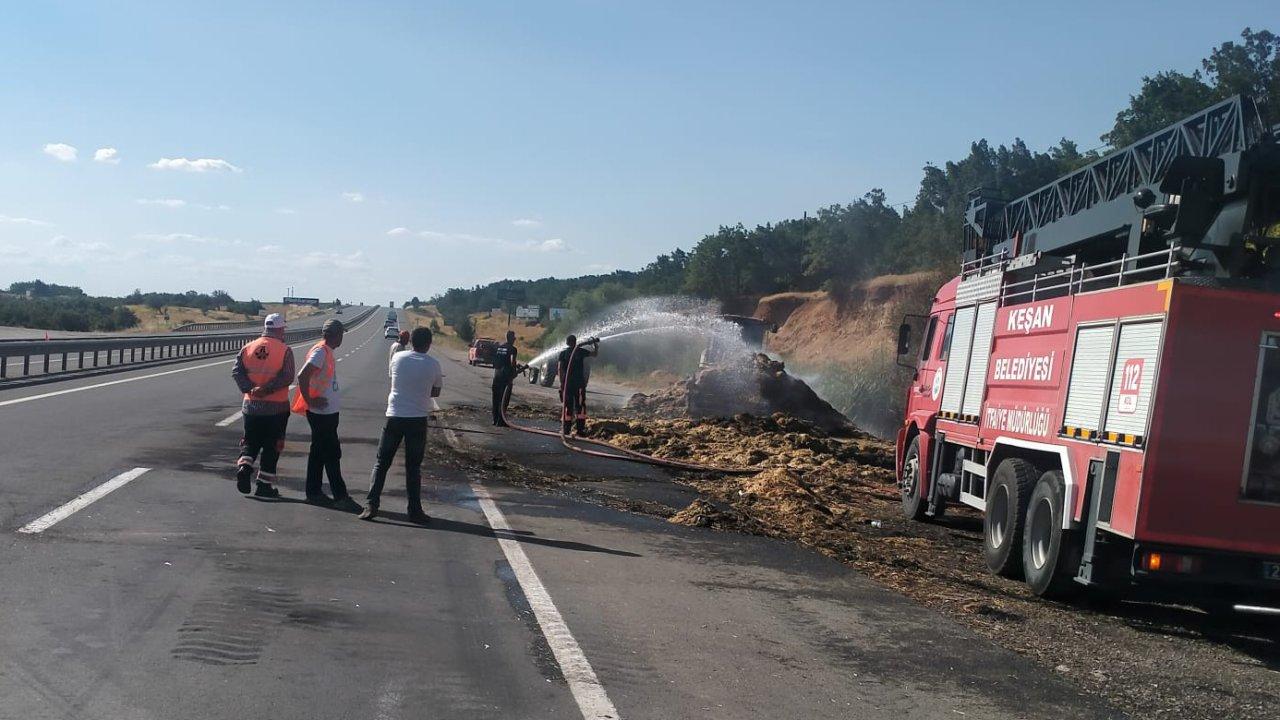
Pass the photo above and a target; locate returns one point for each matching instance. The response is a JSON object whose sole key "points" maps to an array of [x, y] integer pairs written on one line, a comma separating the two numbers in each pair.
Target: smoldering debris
{"points": [[755, 385]]}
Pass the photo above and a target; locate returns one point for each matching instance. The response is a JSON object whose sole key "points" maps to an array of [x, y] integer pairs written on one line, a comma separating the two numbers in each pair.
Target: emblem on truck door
{"points": [[937, 383]]}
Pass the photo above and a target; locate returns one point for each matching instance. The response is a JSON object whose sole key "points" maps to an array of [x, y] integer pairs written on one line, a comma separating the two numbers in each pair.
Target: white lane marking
{"points": [[48, 520], [56, 393], [593, 701], [230, 419]]}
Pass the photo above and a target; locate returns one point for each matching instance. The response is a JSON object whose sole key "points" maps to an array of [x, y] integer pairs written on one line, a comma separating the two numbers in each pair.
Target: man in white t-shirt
{"points": [[416, 378], [320, 393], [400, 345]]}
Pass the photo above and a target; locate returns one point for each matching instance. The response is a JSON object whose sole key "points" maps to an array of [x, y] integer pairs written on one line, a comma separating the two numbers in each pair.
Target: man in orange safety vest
{"points": [[318, 397], [263, 372]]}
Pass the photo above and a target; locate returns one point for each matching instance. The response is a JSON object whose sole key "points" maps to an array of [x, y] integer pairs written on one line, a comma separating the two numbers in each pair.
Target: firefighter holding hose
{"points": [[572, 371]]}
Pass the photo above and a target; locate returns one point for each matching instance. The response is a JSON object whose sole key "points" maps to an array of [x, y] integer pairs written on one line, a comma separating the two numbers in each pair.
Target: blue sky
{"points": [[375, 151]]}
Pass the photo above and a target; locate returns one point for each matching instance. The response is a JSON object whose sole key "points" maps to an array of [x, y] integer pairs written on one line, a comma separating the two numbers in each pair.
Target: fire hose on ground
{"points": [[627, 454]]}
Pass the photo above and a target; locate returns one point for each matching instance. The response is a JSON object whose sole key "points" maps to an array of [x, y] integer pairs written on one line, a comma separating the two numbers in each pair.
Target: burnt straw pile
{"points": [[755, 385]]}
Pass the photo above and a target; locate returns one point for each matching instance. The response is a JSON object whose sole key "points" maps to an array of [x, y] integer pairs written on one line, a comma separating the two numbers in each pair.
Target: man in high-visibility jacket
{"points": [[264, 369], [318, 397]]}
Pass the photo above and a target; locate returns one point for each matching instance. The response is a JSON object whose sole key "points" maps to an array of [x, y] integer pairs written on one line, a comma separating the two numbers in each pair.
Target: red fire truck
{"points": [[1102, 380]]}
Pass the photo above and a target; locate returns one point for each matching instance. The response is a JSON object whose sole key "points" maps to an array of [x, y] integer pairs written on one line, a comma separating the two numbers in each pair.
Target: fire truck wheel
{"points": [[1006, 514], [914, 504], [1050, 555]]}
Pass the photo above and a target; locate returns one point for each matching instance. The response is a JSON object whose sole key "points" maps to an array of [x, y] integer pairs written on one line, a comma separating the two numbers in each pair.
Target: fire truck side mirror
{"points": [[904, 339]]}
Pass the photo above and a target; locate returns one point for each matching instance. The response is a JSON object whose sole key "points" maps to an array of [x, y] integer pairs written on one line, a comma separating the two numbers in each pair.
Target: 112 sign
{"points": [[1130, 386]]}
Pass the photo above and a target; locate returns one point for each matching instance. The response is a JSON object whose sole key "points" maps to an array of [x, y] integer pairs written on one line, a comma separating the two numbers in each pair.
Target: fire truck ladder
{"points": [[1108, 202]]}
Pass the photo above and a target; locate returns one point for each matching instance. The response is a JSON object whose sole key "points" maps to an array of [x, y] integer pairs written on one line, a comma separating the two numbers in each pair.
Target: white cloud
{"points": [[199, 165], [108, 155], [552, 245], [355, 197], [177, 203], [177, 238], [336, 261], [61, 151], [67, 251], [600, 268], [286, 211], [269, 249], [62, 241], [24, 221], [526, 222]]}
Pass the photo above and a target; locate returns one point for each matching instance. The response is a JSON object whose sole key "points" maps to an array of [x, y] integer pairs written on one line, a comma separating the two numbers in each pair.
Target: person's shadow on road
{"points": [[523, 536]]}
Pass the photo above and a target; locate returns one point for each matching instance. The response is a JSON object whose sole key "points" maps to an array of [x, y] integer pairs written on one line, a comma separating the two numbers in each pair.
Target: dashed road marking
{"points": [[48, 520], [230, 419]]}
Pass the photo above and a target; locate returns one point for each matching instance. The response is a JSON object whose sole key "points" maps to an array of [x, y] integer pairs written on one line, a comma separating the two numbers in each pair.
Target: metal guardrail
{"points": [[75, 355], [229, 325]]}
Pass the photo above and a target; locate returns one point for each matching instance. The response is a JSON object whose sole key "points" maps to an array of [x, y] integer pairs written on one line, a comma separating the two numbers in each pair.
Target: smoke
{"points": [[870, 391]]}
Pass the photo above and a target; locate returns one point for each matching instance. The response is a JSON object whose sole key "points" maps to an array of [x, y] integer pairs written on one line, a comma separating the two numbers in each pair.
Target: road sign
{"points": [[301, 301]]}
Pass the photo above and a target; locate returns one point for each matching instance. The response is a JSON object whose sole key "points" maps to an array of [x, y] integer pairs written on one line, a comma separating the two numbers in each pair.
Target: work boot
{"points": [[346, 504], [244, 473], [370, 512], [566, 429], [266, 490], [322, 500], [581, 428], [419, 517]]}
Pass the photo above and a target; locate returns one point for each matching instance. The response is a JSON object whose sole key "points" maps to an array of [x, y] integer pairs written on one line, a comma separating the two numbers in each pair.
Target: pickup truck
{"points": [[481, 352]]}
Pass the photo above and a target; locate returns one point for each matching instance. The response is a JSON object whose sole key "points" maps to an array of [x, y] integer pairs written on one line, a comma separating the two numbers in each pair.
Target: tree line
{"points": [[843, 243], [48, 306]]}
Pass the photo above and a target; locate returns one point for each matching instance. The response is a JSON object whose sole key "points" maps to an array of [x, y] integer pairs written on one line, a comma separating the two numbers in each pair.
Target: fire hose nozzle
{"points": [[591, 341]]}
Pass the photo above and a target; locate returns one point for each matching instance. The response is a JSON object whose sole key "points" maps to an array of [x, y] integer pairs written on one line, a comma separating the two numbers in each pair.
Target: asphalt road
{"points": [[172, 596]]}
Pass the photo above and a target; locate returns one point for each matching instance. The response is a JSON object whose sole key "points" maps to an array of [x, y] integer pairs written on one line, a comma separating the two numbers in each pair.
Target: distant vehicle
{"points": [[392, 318], [481, 352], [391, 331]]}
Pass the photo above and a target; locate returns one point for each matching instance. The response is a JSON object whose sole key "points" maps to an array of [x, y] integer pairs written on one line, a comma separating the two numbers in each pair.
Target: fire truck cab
{"points": [[1102, 380]]}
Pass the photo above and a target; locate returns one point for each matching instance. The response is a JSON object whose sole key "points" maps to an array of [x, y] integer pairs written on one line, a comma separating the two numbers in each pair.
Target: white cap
{"points": [[274, 321]]}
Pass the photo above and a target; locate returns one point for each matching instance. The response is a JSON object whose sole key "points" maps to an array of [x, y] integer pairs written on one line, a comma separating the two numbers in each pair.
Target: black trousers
{"points": [[501, 396], [413, 431], [325, 456], [263, 434], [574, 413]]}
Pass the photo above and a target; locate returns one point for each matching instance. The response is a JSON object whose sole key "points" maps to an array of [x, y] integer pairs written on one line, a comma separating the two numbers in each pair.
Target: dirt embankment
{"points": [[822, 327], [843, 343]]}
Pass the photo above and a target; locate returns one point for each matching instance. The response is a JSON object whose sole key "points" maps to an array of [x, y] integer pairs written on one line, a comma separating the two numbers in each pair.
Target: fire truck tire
{"points": [[1050, 555], [914, 503], [1006, 514]]}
